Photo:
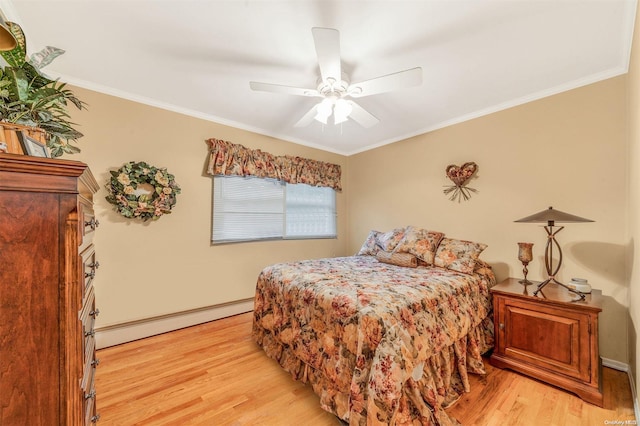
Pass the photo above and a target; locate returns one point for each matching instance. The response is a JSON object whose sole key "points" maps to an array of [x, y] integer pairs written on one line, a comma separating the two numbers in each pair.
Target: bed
{"points": [[381, 341]]}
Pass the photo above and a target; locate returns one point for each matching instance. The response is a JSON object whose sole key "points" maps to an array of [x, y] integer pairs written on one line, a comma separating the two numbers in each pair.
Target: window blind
{"points": [[251, 208]]}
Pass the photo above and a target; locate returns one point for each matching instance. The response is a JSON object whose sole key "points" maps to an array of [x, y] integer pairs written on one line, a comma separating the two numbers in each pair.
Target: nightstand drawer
{"points": [[551, 337]]}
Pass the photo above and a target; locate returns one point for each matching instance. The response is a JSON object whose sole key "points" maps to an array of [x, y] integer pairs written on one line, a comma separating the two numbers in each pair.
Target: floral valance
{"points": [[226, 158]]}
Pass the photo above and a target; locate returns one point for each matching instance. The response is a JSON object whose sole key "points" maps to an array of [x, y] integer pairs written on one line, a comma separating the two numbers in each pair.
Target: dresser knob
{"points": [[93, 223], [501, 326]]}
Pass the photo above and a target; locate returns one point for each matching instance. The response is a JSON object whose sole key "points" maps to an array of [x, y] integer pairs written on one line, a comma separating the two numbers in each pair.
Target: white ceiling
{"points": [[197, 57]]}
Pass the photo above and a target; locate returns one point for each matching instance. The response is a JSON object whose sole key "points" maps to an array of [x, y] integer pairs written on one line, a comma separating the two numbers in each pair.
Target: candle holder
{"points": [[525, 255]]}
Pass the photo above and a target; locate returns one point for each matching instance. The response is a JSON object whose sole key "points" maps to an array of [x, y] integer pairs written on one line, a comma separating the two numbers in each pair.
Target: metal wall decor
{"points": [[460, 175]]}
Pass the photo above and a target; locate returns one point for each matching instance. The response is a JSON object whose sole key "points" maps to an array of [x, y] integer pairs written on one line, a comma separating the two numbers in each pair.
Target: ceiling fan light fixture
{"points": [[325, 107], [337, 119], [341, 111], [321, 118], [324, 110], [334, 85]]}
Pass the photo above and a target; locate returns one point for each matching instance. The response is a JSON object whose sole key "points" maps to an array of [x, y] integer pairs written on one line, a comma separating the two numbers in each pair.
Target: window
{"points": [[251, 208]]}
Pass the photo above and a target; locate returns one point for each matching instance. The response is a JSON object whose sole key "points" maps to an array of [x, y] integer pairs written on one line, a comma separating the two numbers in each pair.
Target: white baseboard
{"points": [[636, 409], [134, 330], [621, 366], [616, 365]]}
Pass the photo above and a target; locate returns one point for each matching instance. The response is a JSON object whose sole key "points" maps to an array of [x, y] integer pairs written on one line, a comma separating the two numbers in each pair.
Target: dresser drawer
{"points": [[88, 316], [88, 222], [89, 412], [90, 365], [88, 313], [90, 416], [89, 268]]}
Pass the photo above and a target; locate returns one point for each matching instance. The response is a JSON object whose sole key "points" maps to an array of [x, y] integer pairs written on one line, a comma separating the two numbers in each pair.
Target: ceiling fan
{"points": [[334, 86]]}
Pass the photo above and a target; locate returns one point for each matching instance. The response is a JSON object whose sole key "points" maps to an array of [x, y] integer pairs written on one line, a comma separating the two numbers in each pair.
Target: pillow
{"points": [[398, 259], [484, 269], [421, 243], [458, 255], [389, 240], [370, 246]]}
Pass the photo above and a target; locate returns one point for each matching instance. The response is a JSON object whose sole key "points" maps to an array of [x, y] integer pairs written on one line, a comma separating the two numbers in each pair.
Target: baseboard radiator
{"points": [[127, 332]]}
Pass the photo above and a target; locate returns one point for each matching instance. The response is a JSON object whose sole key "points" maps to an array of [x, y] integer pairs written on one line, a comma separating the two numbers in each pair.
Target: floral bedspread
{"points": [[380, 344]]}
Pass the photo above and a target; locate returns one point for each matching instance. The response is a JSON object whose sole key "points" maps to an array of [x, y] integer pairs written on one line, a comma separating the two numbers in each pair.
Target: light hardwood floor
{"points": [[214, 374]]}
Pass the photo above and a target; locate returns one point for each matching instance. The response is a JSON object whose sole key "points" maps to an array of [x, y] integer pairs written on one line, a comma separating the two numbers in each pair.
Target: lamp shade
{"points": [[550, 216]]}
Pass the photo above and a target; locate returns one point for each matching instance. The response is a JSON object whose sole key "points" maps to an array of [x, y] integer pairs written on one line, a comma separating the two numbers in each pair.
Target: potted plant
{"points": [[29, 98]]}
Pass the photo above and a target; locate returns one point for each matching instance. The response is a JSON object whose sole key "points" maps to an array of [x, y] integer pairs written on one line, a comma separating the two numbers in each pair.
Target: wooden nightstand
{"points": [[549, 336]]}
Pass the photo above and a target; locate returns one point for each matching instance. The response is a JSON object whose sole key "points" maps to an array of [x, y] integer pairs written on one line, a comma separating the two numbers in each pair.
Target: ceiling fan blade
{"points": [[362, 116], [307, 118], [327, 41], [387, 83], [277, 88]]}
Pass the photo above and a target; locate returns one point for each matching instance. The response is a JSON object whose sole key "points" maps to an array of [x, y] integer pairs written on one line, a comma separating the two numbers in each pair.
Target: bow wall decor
{"points": [[460, 175]]}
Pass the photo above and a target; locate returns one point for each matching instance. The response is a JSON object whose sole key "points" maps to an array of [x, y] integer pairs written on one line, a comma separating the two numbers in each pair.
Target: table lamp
{"points": [[551, 217]]}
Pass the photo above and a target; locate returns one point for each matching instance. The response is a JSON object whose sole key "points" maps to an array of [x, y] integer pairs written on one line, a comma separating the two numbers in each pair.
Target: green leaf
{"points": [[37, 79], [56, 151], [16, 56], [29, 98], [44, 57], [20, 84]]}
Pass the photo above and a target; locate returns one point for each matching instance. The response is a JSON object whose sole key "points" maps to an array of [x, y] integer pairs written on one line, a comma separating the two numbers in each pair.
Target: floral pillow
{"points": [[389, 240], [421, 243], [370, 246], [458, 255]]}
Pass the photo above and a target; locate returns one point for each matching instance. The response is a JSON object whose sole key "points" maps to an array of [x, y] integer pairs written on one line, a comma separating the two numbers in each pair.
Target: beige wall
{"points": [[567, 151], [634, 202], [155, 268]]}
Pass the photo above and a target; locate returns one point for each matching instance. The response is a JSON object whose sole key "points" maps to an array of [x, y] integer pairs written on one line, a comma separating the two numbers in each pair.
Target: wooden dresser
{"points": [[47, 304], [550, 336]]}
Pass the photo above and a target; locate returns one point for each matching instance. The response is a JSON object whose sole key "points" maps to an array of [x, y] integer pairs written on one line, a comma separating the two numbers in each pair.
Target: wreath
{"points": [[130, 203]]}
